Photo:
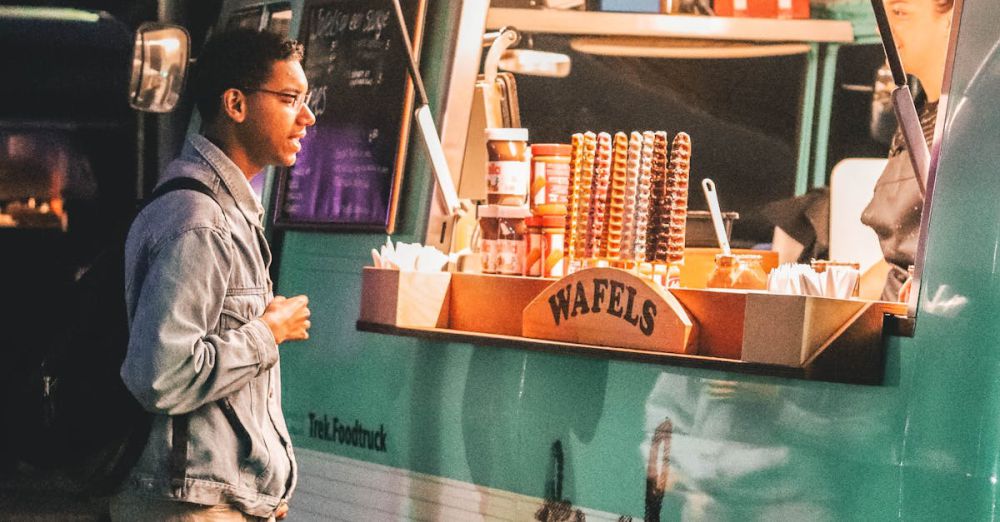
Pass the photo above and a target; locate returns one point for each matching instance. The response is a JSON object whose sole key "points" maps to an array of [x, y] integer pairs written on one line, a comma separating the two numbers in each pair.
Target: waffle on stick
{"points": [[643, 196], [572, 211], [679, 174], [659, 231], [631, 191], [599, 196], [615, 213], [582, 194]]}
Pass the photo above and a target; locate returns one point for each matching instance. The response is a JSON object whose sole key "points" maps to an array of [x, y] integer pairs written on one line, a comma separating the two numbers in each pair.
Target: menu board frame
{"points": [[391, 179]]}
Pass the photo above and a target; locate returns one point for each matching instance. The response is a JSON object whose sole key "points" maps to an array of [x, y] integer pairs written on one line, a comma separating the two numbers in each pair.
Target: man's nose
{"points": [[306, 116]]}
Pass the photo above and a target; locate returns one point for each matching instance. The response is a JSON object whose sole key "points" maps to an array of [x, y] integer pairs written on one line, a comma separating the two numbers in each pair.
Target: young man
{"points": [[204, 324], [921, 29]]}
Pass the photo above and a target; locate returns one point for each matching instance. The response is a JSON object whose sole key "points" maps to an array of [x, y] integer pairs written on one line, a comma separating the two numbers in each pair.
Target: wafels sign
{"points": [[612, 307]]}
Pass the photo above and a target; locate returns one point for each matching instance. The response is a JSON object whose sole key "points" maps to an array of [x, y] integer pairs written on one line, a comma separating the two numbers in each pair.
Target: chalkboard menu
{"points": [[349, 170]]}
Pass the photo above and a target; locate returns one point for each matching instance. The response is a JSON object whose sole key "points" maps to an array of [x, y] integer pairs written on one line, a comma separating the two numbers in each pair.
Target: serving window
{"points": [[766, 112]]}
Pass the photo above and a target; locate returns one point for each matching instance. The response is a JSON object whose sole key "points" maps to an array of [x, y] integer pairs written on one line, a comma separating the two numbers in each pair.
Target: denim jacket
{"points": [[199, 356]]}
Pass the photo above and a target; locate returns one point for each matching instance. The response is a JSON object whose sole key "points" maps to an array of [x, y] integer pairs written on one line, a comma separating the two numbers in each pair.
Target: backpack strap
{"points": [[177, 462], [182, 183]]}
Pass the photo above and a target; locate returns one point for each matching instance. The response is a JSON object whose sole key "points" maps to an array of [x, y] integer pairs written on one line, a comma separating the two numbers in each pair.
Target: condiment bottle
{"points": [[508, 168], [550, 172], [554, 233], [534, 257]]}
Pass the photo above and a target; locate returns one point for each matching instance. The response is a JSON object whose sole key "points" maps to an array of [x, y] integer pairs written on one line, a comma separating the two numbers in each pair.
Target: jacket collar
{"points": [[199, 147]]}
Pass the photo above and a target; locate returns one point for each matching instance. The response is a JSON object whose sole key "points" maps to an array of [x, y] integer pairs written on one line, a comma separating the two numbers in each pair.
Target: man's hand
{"points": [[282, 511], [288, 318]]}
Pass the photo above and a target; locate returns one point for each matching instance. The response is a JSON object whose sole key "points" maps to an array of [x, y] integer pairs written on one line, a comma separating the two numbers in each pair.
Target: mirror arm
{"points": [[425, 123], [902, 101]]}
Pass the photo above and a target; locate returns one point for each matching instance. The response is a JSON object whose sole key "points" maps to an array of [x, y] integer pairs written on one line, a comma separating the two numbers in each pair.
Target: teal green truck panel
{"points": [[922, 446]]}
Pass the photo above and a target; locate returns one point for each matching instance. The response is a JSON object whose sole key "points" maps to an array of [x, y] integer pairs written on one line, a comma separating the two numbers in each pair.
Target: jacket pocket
{"points": [[241, 307], [253, 454]]}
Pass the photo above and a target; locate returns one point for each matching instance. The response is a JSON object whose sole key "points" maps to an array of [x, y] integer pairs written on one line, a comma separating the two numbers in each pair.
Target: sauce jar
{"points": [[502, 244], [550, 172], [508, 167], [553, 245], [533, 239], [749, 274], [722, 275]]}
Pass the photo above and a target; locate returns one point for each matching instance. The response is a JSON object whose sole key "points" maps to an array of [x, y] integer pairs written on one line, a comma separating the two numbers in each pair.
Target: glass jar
{"points": [[749, 274], [502, 245], [744, 271], [550, 172], [508, 167], [722, 275], [534, 257], [553, 245]]}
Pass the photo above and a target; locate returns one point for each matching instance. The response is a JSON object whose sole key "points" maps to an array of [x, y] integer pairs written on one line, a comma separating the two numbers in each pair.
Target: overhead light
{"points": [[49, 13]]}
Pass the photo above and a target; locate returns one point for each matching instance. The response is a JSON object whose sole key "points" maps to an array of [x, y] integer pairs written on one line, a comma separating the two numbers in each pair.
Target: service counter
{"points": [[615, 313]]}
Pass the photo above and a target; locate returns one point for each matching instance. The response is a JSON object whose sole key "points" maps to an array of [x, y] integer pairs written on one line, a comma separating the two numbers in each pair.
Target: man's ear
{"points": [[234, 105]]}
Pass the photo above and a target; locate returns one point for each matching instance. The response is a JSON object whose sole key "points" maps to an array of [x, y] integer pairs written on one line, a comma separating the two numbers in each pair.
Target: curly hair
{"points": [[240, 58]]}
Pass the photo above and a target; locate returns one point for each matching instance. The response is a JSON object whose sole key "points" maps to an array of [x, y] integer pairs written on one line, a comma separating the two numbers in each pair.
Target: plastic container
{"points": [[502, 244], [550, 172], [508, 168]]}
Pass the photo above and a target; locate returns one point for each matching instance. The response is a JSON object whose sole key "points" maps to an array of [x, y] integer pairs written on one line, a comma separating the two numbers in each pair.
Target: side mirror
{"points": [[159, 66], [883, 119]]}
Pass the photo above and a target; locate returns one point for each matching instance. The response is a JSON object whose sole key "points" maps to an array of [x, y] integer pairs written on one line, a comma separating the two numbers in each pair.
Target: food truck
{"points": [[618, 387]]}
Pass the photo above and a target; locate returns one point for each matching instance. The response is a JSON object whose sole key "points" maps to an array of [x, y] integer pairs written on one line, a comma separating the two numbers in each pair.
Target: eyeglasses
{"points": [[295, 101]]}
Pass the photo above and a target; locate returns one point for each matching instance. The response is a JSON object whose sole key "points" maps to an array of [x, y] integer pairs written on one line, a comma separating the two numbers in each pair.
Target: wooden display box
{"points": [[491, 303], [611, 311], [787, 330], [482, 303], [405, 299]]}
